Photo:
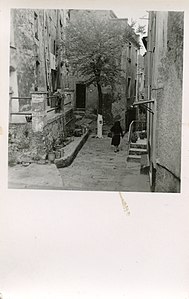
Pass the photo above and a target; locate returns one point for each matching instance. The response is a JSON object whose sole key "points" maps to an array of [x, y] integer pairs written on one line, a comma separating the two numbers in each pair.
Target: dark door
{"points": [[80, 96], [130, 116], [54, 80]]}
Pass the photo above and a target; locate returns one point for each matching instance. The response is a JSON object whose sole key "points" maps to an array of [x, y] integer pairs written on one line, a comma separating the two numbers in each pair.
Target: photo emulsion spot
{"points": [[95, 100]]}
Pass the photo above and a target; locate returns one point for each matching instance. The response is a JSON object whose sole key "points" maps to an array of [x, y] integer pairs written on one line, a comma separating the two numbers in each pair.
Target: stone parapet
{"points": [[38, 105]]}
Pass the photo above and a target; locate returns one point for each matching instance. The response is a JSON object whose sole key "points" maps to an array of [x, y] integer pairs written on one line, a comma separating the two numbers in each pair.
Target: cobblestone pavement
{"points": [[98, 168]]}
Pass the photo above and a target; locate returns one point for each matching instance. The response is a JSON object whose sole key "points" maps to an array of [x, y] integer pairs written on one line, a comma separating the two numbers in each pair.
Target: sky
{"points": [[140, 16], [132, 14]]}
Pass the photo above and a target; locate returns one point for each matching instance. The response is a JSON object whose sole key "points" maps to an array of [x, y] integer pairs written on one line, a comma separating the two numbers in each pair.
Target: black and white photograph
{"points": [[95, 100], [94, 149]]}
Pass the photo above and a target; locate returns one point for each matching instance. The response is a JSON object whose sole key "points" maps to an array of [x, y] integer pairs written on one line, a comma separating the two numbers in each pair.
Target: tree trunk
{"points": [[99, 99], [99, 118]]}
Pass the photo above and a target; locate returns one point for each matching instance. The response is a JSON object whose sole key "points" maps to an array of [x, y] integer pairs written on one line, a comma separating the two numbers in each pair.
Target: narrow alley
{"points": [[98, 168], [131, 81]]}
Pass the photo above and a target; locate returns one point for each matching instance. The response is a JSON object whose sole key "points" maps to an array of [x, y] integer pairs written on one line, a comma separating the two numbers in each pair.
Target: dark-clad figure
{"points": [[116, 133]]}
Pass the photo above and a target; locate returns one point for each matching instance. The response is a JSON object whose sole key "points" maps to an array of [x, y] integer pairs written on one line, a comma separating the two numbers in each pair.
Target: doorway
{"points": [[80, 96], [130, 116]]}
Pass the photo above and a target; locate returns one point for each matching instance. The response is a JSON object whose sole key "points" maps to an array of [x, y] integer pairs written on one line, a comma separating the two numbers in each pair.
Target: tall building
{"points": [[163, 81], [36, 53]]}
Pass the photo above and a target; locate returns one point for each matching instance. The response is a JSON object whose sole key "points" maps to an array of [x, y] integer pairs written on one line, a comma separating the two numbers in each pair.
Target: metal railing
{"points": [[53, 104], [50, 106], [136, 126]]}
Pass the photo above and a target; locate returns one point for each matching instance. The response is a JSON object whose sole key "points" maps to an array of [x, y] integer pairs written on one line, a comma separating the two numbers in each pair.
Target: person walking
{"points": [[116, 133]]}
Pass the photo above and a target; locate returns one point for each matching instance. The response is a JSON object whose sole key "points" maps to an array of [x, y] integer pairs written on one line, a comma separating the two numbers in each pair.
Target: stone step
{"points": [[134, 158], [80, 109], [84, 122], [138, 145], [137, 151], [78, 117], [79, 112]]}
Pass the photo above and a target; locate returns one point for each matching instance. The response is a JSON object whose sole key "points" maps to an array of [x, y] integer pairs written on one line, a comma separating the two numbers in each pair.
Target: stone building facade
{"points": [[38, 70], [129, 64], [164, 89], [35, 50]]}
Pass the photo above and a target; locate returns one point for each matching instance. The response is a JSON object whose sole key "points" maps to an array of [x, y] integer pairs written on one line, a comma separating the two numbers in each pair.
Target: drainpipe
{"points": [[137, 83], [137, 74], [149, 116], [148, 82], [154, 133], [45, 58], [152, 119]]}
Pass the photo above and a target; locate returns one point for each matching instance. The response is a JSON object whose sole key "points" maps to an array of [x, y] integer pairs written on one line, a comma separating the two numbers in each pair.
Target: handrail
{"points": [[21, 98], [49, 110], [21, 113], [51, 97], [68, 103], [130, 127]]}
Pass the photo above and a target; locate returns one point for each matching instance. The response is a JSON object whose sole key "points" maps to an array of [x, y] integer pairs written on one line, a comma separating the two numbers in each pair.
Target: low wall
{"points": [[28, 146], [19, 141]]}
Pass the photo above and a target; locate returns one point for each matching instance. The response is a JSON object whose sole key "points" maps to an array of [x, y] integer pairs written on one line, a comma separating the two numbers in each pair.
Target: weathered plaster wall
{"points": [[170, 100], [28, 50], [36, 36], [131, 71], [172, 183], [167, 90]]}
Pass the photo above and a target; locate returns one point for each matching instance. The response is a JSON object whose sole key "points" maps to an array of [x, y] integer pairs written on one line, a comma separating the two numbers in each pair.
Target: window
{"points": [[54, 80], [135, 88], [54, 48], [129, 88], [37, 72], [36, 25], [136, 54], [129, 53]]}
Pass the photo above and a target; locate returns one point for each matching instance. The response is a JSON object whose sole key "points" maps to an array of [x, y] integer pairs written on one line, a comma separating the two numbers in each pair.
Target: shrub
{"points": [[134, 137], [143, 135]]}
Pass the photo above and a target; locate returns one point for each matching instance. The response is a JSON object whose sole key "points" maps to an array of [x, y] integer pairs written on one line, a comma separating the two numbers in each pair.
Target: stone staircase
{"points": [[137, 150], [79, 114], [81, 119]]}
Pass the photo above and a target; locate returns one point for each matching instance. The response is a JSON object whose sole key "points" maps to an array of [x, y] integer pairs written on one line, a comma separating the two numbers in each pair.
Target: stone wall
{"points": [[19, 142], [28, 146], [36, 55]]}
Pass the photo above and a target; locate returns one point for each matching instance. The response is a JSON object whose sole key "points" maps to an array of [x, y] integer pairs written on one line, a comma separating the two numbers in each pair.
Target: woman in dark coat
{"points": [[116, 133]]}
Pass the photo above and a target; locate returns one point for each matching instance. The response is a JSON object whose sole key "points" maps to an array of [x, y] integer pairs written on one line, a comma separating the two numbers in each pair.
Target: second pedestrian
{"points": [[117, 133]]}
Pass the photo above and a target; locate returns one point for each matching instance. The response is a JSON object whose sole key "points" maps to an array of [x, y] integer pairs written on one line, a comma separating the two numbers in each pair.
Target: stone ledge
{"points": [[50, 118], [34, 176], [71, 151]]}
